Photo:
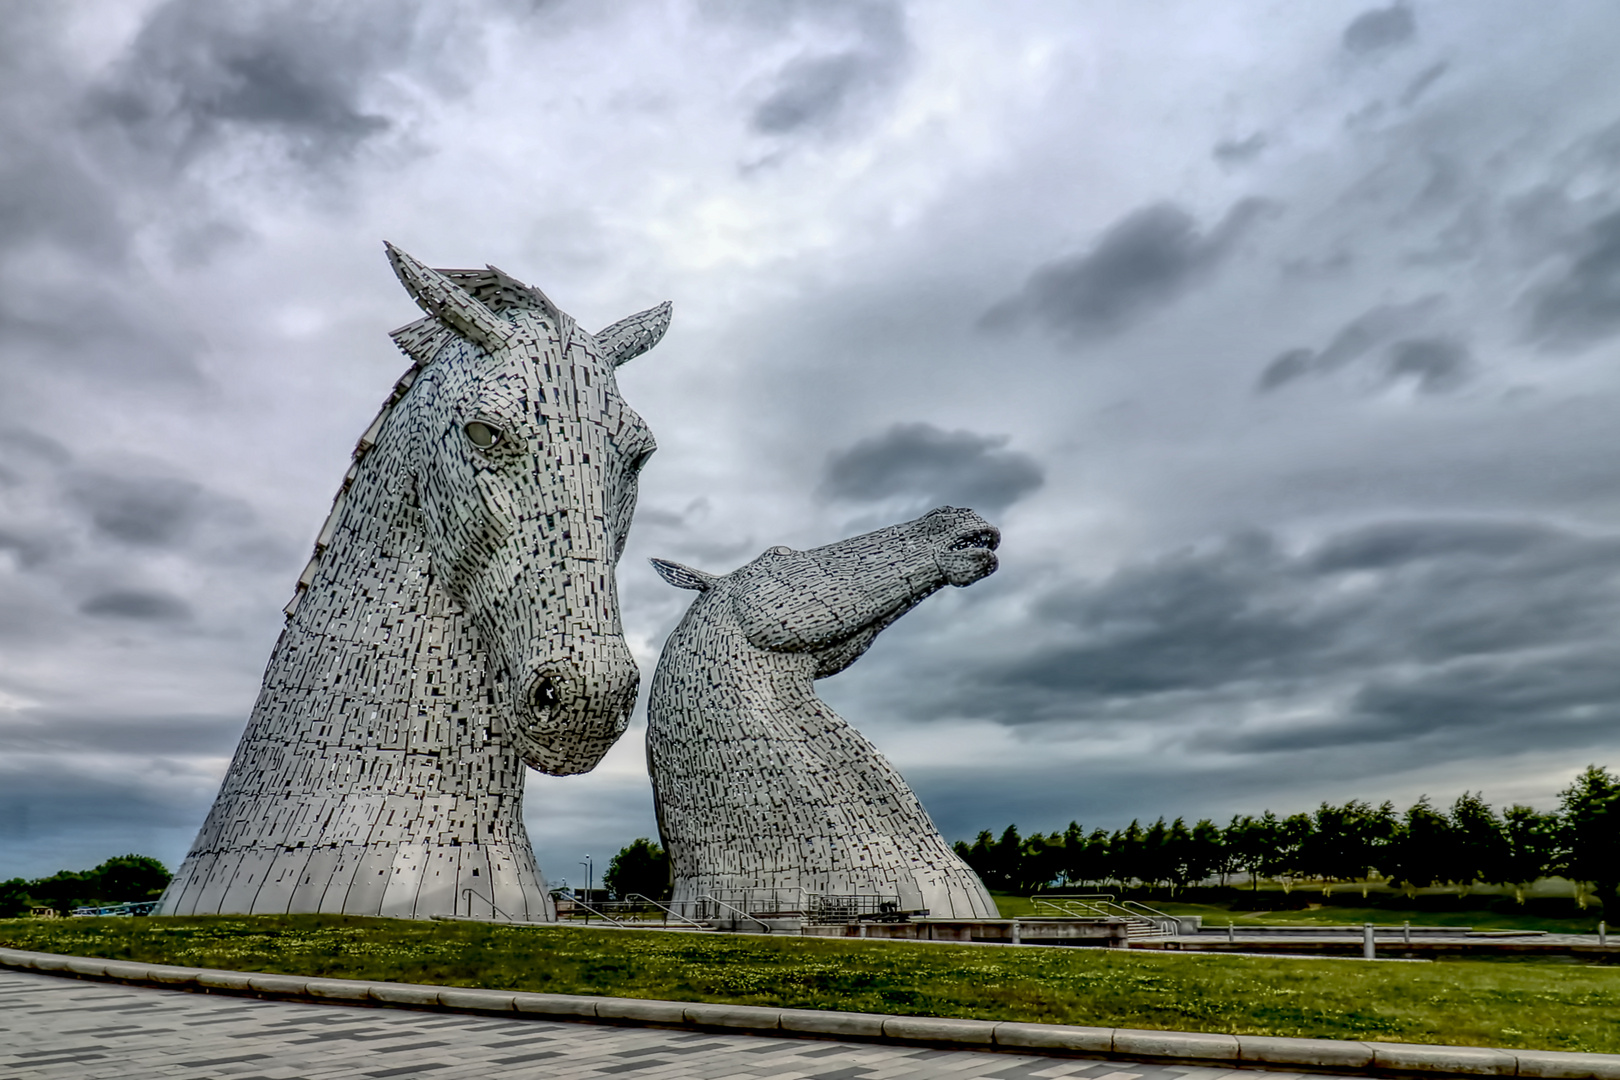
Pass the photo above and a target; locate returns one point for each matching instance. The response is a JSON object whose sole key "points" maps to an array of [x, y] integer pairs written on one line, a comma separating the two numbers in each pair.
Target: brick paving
{"points": [[53, 1028]]}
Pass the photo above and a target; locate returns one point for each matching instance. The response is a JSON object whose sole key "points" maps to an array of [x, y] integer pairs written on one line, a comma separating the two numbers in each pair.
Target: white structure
{"points": [[758, 784], [459, 619]]}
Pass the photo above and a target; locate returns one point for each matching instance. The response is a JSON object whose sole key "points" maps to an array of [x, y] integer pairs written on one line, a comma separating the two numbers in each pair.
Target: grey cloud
{"points": [[1239, 151], [810, 92], [139, 604], [1247, 621], [1435, 364], [1581, 304], [145, 511], [1142, 262], [1356, 339], [1379, 29], [817, 90], [1385, 546], [47, 731], [1561, 700], [199, 71], [927, 466], [1425, 79]]}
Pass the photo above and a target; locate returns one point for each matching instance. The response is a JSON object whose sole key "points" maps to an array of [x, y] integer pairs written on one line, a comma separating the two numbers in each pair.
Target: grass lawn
{"points": [[1533, 1005], [1341, 913]]}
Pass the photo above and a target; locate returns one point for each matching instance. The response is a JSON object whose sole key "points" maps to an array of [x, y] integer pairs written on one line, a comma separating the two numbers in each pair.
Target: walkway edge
{"points": [[1159, 1047]]}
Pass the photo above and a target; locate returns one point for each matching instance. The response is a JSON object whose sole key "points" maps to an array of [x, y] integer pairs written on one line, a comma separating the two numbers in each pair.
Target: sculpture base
{"points": [[401, 881]]}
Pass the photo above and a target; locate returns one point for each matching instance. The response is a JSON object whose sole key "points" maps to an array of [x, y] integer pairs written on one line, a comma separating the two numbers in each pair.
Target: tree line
{"points": [[1467, 843], [120, 880]]}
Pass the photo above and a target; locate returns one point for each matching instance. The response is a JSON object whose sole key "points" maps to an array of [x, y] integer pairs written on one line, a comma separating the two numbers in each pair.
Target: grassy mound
{"points": [[1549, 1006], [1530, 1005]]}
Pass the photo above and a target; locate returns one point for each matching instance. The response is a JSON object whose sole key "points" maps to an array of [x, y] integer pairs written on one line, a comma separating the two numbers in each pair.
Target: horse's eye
{"points": [[482, 435]]}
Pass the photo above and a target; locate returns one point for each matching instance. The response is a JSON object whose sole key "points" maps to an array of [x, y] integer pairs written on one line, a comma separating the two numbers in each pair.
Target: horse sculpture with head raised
{"points": [[459, 619], [759, 786]]}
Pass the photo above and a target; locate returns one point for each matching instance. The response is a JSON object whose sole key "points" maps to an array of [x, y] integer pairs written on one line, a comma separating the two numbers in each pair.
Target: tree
{"points": [[14, 898], [63, 890], [1532, 847], [1480, 847], [1421, 853], [128, 879], [1249, 842], [642, 868], [1591, 833], [1005, 857], [1291, 836], [1205, 855], [1126, 854]]}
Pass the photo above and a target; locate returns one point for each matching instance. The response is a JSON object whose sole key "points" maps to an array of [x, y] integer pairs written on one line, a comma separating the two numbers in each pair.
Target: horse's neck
{"points": [[377, 658]]}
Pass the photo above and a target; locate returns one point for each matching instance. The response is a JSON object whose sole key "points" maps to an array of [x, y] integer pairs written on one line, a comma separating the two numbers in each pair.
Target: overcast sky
{"points": [[1280, 341]]}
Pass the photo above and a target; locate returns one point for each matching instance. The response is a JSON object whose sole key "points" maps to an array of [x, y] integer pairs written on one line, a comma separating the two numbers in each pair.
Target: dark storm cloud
{"points": [[1361, 336], [138, 604], [1581, 304], [1379, 29], [1499, 620], [819, 89], [199, 71], [1142, 262], [927, 467]]}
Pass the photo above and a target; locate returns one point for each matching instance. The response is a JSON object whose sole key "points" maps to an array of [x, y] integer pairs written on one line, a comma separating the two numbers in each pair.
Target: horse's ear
{"points": [[683, 577], [629, 338], [448, 302]]}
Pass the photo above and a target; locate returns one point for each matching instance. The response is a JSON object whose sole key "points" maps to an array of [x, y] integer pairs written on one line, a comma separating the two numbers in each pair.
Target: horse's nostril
{"points": [[544, 696]]}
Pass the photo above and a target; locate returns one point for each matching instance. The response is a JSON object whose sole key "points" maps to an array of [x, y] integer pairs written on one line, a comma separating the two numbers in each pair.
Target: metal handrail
{"points": [[1155, 914], [721, 903], [665, 908], [1106, 906], [470, 893], [1072, 908], [577, 902]]}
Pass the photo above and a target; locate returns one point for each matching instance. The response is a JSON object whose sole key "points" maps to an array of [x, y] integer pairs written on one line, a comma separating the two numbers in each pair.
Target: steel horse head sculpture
{"points": [[760, 787], [459, 619]]}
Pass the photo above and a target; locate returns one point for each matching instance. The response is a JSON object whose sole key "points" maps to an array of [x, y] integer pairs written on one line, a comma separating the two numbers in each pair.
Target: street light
{"points": [[589, 875]]}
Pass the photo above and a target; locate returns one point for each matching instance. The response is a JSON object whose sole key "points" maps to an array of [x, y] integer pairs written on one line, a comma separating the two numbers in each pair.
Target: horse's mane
{"points": [[421, 341]]}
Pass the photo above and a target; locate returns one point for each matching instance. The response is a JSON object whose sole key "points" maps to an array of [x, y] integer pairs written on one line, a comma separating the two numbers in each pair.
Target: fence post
{"points": [[1017, 937], [1406, 932], [860, 930], [1366, 941], [1231, 935], [1603, 932]]}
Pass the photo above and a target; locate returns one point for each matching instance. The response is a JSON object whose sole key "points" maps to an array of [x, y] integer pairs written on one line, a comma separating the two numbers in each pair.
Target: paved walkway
{"points": [[58, 1028]]}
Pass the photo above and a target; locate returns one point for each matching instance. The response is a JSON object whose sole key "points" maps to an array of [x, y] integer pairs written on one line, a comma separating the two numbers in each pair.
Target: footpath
{"points": [[1057, 1040]]}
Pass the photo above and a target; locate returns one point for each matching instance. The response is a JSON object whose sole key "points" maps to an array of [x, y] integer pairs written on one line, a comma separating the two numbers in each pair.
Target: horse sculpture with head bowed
{"points": [[459, 618], [758, 784]]}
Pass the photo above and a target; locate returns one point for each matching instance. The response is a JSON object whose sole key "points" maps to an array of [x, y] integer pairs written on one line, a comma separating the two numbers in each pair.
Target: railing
{"points": [[472, 894], [1105, 906], [763, 925], [143, 907], [831, 910], [577, 902], [668, 911], [1168, 924]]}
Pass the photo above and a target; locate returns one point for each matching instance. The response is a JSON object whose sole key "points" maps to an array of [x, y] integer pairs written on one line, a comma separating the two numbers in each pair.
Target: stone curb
{"points": [[1161, 1047]]}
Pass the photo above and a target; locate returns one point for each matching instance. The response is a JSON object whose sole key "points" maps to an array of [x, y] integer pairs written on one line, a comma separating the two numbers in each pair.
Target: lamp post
{"points": [[589, 875]]}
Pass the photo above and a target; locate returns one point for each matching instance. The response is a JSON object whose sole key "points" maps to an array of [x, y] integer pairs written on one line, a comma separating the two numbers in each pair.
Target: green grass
{"points": [[1532, 1005], [1342, 913]]}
